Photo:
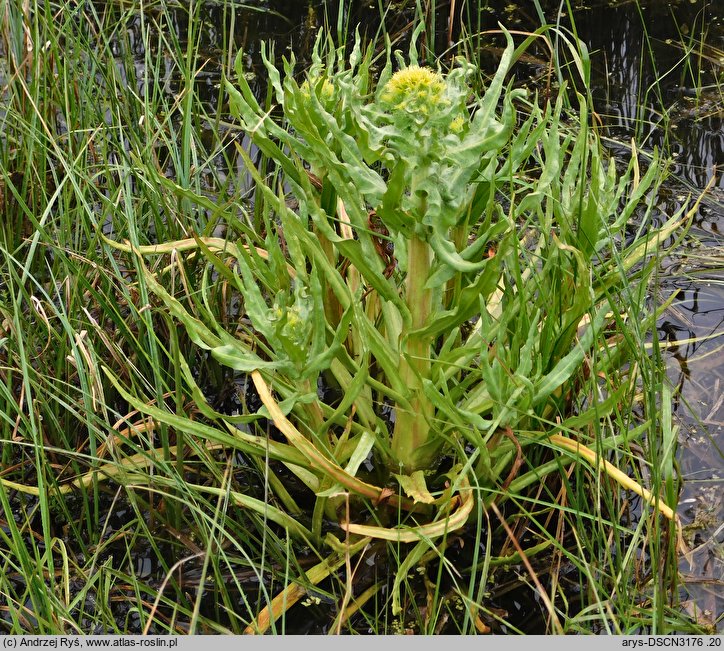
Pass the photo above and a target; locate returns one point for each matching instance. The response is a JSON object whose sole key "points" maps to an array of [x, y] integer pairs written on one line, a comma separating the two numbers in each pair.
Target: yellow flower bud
{"points": [[456, 126]]}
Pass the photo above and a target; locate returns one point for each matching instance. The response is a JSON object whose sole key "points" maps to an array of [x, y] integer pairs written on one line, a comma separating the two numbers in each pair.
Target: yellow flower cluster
{"points": [[415, 90], [326, 91]]}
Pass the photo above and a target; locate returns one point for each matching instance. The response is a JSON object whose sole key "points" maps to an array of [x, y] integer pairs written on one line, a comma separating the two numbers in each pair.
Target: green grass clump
{"points": [[431, 322]]}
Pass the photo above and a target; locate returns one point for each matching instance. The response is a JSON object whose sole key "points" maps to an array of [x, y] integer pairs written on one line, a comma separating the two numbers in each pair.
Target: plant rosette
{"points": [[509, 266]]}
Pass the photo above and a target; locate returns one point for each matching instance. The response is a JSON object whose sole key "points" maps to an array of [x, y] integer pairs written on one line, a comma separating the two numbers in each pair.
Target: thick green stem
{"points": [[412, 446]]}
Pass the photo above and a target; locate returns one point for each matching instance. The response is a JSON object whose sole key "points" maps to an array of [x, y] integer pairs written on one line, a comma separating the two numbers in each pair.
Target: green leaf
{"points": [[572, 362], [415, 487], [234, 356]]}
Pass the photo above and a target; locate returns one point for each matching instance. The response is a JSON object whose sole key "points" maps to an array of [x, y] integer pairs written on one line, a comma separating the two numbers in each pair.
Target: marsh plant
{"points": [[398, 386], [443, 305]]}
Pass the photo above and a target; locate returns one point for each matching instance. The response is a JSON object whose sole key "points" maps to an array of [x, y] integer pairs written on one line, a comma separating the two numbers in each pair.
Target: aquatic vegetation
{"points": [[485, 324], [412, 379]]}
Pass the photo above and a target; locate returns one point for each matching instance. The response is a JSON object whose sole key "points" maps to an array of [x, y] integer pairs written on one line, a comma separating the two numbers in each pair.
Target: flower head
{"points": [[326, 92], [419, 92]]}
